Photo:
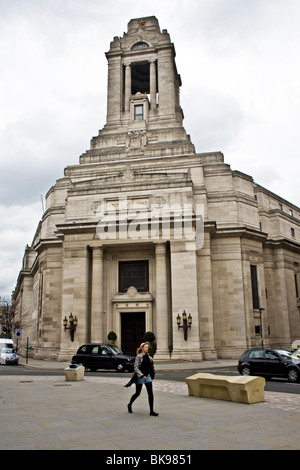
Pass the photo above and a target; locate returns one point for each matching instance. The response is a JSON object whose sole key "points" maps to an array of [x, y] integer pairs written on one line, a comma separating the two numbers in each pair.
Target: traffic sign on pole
{"points": [[18, 334]]}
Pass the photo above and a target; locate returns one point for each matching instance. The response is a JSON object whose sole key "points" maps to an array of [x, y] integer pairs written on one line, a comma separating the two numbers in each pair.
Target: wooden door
{"points": [[132, 331]]}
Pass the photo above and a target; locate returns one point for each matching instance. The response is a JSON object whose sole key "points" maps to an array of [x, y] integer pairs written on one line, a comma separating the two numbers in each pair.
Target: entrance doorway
{"points": [[132, 331]]}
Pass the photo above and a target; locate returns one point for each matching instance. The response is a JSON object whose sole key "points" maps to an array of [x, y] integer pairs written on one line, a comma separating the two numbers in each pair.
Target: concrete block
{"points": [[74, 374], [236, 389]]}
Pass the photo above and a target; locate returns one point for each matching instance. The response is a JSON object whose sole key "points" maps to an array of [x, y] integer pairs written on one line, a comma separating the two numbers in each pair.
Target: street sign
{"points": [[18, 334]]}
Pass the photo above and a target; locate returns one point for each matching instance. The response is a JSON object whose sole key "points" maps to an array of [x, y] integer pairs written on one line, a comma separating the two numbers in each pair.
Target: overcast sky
{"points": [[240, 94]]}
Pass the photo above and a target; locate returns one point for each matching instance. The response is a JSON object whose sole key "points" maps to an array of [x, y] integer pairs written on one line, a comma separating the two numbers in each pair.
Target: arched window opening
{"points": [[139, 45]]}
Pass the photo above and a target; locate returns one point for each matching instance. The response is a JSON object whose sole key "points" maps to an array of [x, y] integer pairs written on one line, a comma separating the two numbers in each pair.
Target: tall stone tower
{"points": [[144, 116]]}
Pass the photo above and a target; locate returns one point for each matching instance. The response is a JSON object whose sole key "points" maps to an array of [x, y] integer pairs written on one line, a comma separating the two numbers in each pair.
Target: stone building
{"points": [[144, 228]]}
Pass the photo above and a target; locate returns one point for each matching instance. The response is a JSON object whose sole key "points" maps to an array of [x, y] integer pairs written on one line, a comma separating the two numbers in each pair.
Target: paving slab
{"points": [[47, 412]]}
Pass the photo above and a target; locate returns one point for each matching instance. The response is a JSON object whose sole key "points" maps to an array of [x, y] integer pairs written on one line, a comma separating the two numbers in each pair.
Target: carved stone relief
{"points": [[136, 139]]}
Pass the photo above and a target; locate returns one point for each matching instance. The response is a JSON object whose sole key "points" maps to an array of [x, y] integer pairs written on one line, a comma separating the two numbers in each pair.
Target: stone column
{"points": [[97, 304], [166, 83], [161, 302], [127, 87], [114, 90], [153, 84], [205, 300]]}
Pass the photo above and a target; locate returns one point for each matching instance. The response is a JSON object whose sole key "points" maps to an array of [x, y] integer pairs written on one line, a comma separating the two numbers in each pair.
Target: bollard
{"points": [[74, 373]]}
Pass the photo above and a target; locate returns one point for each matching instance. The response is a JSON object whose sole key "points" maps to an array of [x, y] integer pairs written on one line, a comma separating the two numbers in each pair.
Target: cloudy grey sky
{"points": [[240, 70]]}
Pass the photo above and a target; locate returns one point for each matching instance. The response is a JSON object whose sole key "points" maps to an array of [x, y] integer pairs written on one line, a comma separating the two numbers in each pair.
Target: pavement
{"points": [[50, 413]]}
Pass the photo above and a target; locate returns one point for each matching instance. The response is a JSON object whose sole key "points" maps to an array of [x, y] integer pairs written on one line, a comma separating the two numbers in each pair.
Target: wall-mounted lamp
{"points": [[73, 322], [187, 323]]}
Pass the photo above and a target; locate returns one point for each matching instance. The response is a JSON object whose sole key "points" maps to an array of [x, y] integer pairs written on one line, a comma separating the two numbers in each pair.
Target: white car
{"points": [[8, 356]]}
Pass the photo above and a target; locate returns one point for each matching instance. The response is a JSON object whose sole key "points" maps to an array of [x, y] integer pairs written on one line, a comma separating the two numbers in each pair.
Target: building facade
{"points": [[144, 228]]}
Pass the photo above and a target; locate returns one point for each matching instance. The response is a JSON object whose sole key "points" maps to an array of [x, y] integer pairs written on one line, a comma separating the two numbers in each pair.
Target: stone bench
{"points": [[240, 389]]}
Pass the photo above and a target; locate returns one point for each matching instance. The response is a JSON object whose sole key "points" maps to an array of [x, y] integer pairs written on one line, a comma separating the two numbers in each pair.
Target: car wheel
{"points": [[293, 375], [246, 370], [120, 368]]}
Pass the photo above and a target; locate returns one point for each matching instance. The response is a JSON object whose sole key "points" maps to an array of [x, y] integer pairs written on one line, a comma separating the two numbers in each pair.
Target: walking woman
{"points": [[143, 368]]}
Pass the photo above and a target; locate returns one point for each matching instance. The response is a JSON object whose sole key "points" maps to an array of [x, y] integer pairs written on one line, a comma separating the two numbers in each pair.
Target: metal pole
{"points": [[27, 350], [261, 334]]}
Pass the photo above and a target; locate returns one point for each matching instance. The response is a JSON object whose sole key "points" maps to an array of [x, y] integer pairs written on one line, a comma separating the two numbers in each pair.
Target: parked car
{"points": [[8, 356], [270, 363], [103, 356]]}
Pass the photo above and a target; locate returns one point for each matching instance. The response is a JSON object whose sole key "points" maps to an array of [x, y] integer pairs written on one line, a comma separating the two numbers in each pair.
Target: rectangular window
{"points": [[257, 329], [296, 285], [138, 112], [134, 274], [254, 285], [292, 232]]}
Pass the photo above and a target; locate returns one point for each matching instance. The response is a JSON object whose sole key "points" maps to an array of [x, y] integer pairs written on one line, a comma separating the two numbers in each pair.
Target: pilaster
{"points": [[114, 93], [184, 297], [205, 299], [127, 87], [161, 302], [153, 85], [74, 295], [97, 295]]}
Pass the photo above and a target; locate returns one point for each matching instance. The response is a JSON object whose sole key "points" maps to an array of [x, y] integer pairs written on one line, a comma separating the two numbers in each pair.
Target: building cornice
{"points": [[241, 232], [283, 243]]}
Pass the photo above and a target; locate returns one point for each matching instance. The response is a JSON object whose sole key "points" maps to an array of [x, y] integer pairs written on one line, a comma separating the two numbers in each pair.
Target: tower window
{"points": [[140, 77], [138, 112]]}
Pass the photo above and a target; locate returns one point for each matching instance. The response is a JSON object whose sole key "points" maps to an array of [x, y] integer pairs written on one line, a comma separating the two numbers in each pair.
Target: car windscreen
{"points": [[116, 350], [284, 354]]}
